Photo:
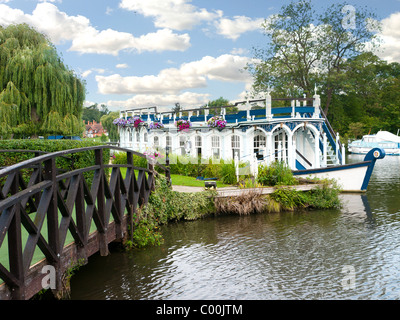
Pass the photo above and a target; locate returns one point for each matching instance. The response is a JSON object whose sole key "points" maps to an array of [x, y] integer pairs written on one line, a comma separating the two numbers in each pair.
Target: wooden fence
{"points": [[61, 217]]}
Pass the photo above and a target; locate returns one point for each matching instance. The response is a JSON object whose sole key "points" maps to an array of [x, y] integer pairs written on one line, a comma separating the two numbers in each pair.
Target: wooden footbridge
{"points": [[59, 218]]}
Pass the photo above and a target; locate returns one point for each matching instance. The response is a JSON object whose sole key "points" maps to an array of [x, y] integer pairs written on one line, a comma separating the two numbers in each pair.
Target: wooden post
{"points": [[52, 220], [15, 247], [103, 245]]}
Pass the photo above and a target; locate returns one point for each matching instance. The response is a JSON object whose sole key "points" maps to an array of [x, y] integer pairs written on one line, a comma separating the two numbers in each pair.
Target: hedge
{"points": [[69, 162]]}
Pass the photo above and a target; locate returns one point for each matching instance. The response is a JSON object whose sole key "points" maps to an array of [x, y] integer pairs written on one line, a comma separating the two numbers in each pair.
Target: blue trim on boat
{"points": [[373, 155], [332, 168]]}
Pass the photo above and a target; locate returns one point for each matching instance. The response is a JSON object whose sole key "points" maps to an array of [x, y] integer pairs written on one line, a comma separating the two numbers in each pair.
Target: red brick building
{"points": [[94, 129]]}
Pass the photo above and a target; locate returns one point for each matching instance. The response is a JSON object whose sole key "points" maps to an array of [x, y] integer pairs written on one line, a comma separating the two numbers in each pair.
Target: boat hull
{"points": [[350, 177]]}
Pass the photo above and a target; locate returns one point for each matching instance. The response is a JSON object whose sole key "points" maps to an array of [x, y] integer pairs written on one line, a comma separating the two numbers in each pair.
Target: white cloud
{"points": [[233, 28], [86, 73], [390, 37], [85, 38], [186, 99], [171, 14], [173, 80], [122, 66]]}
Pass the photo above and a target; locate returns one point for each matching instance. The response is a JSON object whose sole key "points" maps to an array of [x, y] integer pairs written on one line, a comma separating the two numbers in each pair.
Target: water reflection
{"points": [[298, 255]]}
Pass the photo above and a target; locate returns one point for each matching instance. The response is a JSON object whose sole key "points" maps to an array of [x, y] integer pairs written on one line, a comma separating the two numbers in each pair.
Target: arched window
{"points": [[259, 144], [182, 144], [235, 142], [215, 147], [198, 146], [156, 142]]}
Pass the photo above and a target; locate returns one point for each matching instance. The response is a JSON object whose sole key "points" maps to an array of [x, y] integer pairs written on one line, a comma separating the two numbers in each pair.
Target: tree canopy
{"points": [[37, 91], [360, 93], [307, 49]]}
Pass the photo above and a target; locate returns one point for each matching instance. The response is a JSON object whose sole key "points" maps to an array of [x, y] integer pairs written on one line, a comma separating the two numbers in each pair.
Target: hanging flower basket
{"points": [[183, 125], [135, 121], [216, 122], [156, 125], [120, 122]]}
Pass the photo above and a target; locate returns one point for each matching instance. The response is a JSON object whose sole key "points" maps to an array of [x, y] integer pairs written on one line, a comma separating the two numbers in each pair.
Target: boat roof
{"points": [[387, 136]]}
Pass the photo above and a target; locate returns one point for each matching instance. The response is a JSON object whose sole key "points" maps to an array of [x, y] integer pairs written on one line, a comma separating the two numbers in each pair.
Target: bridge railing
{"points": [[53, 210]]}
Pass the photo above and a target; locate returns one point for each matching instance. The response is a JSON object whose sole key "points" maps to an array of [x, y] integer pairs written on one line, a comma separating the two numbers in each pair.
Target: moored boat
{"points": [[350, 177], [299, 135], [383, 139]]}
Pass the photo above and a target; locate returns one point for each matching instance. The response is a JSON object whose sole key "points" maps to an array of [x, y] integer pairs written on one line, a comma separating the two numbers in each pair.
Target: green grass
{"points": [[179, 180]]}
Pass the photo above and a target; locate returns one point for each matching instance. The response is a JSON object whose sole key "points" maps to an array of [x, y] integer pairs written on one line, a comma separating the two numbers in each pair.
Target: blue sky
{"points": [[135, 53]]}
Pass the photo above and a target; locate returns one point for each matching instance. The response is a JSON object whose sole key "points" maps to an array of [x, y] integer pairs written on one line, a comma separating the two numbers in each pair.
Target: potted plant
{"points": [[156, 125], [216, 122], [183, 125]]}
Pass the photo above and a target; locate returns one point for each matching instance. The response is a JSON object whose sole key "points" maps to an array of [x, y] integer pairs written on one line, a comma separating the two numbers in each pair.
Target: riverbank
{"points": [[191, 203]]}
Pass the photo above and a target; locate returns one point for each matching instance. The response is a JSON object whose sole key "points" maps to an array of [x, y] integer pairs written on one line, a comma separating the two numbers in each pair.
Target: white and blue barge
{"points": [[299, 134]]}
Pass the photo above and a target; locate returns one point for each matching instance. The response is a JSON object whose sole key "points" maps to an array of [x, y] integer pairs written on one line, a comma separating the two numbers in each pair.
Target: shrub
{"points": [[166, 205], [228, 173], [121, 158], [277, 173], [70, 162]]}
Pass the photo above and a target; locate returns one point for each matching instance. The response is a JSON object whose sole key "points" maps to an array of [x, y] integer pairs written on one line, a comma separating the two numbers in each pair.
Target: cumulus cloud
{"points": [[233, 28], [60, 27], [390, 38], [173, 80], [171, 14]]}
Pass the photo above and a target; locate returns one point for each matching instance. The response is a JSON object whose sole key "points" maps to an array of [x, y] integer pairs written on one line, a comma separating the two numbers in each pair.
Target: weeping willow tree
{"points": [[36, 87]]}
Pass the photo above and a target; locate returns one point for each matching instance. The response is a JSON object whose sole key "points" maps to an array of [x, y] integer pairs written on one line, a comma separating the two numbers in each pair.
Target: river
{"points": [[351, 253]]}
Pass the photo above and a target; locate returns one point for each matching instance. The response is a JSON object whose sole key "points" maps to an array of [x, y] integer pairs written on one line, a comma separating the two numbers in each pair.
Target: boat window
{"points": [[197, 143], [182, 144], [235, 139], [215, 147]]}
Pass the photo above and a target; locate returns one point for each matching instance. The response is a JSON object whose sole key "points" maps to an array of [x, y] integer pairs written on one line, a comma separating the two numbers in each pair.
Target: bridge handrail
{"points": [[47, 156], [71, 203]]}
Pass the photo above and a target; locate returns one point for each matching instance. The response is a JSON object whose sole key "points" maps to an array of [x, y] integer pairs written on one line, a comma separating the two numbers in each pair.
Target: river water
{"points": [[351, 253]]}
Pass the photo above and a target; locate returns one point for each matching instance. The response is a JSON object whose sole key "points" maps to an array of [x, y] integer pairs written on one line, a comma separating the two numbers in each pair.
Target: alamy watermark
{"points": [[349, 20], [49, 280], [349, 280]]}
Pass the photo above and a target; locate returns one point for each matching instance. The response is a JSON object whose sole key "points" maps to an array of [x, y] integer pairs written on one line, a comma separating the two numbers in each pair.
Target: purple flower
{"points": [[156, 125], [216, 122], [121, 122]]}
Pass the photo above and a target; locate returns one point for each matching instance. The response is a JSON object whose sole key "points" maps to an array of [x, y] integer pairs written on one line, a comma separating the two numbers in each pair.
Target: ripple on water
{"points": [[277, 256]]}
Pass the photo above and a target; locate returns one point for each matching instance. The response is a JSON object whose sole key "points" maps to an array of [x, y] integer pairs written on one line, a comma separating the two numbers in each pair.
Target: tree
{"points": [[112, 129], [35, 85], [307, 48], [94, 113], [221, 102]]}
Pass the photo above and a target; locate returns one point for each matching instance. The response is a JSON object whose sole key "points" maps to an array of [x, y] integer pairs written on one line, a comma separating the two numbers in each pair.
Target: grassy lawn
{"points": [[179, 180]]}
